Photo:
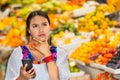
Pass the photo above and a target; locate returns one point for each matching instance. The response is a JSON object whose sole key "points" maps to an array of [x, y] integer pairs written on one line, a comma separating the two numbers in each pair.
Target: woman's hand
{"points": [[26, 75], [41, 47]]}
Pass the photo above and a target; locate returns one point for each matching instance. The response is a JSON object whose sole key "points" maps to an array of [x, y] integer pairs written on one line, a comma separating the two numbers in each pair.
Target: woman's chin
{"points": [[42, 39]]}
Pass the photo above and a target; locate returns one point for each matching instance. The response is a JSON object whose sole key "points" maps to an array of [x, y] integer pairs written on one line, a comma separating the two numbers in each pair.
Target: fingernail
{"points": [[25, 64]]}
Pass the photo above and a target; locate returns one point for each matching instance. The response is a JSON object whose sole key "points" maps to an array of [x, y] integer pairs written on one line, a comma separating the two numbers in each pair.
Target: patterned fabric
{"points": [[27, 54], [54, 52], [15, 62]]}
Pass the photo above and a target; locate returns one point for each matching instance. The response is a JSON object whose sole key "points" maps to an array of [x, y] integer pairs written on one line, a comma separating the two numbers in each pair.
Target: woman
{"points": [[49, 62]]}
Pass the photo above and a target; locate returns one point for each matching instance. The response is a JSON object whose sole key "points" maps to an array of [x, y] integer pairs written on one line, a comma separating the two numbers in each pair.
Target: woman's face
{"points": [[39, 28]]}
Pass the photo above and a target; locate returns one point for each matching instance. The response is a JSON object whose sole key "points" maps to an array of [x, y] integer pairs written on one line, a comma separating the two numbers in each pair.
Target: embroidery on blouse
{"points": [[54, 52], [27, 54]]}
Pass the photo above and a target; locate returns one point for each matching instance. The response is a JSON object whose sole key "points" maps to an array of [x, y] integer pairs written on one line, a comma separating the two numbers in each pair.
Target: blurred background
{"points": [[89, 30]]}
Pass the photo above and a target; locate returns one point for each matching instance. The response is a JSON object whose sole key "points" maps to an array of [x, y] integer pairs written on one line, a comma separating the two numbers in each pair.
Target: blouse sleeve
{"points": [[62, 63], [14, 64]]}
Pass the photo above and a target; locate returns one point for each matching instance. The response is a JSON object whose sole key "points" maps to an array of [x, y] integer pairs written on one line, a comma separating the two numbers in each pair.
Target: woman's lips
{"points": [[41, 35]]}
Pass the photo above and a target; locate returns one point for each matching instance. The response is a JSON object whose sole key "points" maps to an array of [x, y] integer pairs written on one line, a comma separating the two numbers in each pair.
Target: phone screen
{"points": [[28, 62]]}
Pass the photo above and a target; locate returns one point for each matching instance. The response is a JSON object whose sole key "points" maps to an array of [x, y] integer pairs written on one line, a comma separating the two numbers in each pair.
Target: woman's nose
{"points": [[41, 29]]}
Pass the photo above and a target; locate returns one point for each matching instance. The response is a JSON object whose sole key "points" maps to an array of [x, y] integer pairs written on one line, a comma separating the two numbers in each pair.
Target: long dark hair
{"points": [[30, 16]]}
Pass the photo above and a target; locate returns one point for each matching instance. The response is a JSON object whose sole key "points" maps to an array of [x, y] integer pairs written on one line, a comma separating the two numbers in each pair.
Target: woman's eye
{"points": [[35, 26], [44, 24]]}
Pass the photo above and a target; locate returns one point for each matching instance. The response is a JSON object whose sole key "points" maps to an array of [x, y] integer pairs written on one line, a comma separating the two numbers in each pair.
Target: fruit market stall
{"points": [[101, 53], [85, 29], [12, 23]]}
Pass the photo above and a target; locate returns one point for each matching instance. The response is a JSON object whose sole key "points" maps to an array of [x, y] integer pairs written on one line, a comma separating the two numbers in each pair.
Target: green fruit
{"points": [[76, 69], [71, 69]]}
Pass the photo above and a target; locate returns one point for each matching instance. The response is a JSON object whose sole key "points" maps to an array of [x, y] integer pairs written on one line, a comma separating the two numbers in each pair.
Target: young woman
{"points": [[49, 62]]}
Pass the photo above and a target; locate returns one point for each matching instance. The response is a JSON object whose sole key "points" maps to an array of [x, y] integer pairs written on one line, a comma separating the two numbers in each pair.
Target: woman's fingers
{"points": [[24, 67], [46, 41], [31, 73], [27, 74], [37, 40], [31, 70]]}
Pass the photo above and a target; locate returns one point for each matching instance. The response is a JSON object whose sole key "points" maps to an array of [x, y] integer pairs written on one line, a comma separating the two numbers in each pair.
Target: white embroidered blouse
{"points": [[15, 62]]}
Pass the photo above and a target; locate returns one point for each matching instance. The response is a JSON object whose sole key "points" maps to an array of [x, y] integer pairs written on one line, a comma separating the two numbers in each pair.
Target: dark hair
{"points": [[30, 16]]}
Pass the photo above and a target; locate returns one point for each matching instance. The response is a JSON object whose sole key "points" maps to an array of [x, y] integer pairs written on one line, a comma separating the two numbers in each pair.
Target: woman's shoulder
{"points": [[57, 48], [17, 48], [61, 49], [16, 51]]}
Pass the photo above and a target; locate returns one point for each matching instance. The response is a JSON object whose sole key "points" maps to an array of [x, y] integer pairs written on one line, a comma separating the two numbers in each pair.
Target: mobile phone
{"points": [[28, 62]]}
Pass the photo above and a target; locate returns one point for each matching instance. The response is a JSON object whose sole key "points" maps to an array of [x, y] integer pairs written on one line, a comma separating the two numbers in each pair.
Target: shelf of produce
{"points": [[110, 70], [71, 47], [75, 43], [114, 71], [98, 66], [77, 74], [88, 7], [94, 69], [83, 11], [79, 62]]}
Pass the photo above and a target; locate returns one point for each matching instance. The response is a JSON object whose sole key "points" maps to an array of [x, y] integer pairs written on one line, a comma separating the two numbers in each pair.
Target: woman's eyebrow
{"points": [[38, 24], [34, 24], [44, 22]]}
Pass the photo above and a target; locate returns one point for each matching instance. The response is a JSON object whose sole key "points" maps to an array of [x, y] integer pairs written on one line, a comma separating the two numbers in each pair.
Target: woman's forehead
{"points": [[37, 17]]}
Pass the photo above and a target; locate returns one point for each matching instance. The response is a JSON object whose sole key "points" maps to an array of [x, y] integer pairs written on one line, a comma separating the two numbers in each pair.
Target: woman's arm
{"points": [[53, 71], [44, 48]]}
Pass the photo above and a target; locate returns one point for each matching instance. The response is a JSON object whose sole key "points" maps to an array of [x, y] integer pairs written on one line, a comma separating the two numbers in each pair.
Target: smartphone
{"points": [[28, 62]]}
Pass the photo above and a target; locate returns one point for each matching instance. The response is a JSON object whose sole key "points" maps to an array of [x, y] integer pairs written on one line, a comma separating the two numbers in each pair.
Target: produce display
{"points": [[95, 32], [97, 20], [12, 22], [73, 66], [115, 61], [64, 34], [105, 76], [114, 3], [14, 33], [102, 47], [99, 50], [59, 20]]}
